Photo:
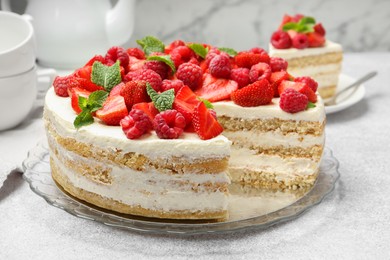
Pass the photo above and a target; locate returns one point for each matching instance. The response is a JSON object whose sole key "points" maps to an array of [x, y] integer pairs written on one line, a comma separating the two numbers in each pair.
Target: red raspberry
{"points": [[211, 54], [300, 41], [241, 76], [220, 66], [190, 74], [281, 40], [63, 84], [153, 78], [194, 60], [318, 28], [246, 59], [136, 124], [257, 50], [158, 66], [292, 101], [117, 53], [169, 124], [181, 54], [260, 71], [278, 64], [173, 45], [176, 84], [135, 52], [308, 81]]}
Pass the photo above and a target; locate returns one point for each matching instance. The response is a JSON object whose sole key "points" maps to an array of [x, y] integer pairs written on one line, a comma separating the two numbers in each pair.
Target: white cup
{"points": [[18, 93], [17, 44]]}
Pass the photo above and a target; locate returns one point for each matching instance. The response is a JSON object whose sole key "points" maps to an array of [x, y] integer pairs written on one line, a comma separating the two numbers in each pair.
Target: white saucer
{"points": [[353, 95]]}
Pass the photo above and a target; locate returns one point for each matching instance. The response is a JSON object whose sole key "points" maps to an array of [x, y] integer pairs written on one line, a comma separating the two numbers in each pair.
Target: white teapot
{"points": [[70, 32]]}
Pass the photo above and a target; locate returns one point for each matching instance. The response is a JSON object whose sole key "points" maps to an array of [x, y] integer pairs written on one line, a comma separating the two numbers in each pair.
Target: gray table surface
{"points": [[353, 222]]}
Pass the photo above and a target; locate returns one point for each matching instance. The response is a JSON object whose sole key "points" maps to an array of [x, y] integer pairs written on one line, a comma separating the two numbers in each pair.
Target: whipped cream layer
{"points": [[149, 189], [325, 75], [291, 53], [189, 146], [270, 111]]}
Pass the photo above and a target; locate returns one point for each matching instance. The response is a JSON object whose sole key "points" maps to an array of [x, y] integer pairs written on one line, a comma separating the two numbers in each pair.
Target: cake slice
{"points": [[302, 43]]}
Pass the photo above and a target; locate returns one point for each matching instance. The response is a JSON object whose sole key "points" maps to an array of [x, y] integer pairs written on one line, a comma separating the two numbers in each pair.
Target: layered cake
{"points": [[161, 131], [301, 41]]}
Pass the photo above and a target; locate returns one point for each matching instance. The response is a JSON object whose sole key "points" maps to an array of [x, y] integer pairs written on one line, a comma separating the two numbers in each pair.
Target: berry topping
{"points": [[62, 84], [185, 102], [190, 74], [137, 53], [114, 109], [258, 50], [169, 124], [255, 94], [134, 92], [300, 41], [175, 84], [149, 109], [318, 28], [181, 54], [315, 40], [308, 81], [292, 101], [99, 58], [278, 64], [75, 93], [220, 66], [117, 53], [173, 45], [115, 91], [214, 89], [241, 76], [147, 75], [281, 40], [260, 71], [136, 124], [157, 66], [204, 122], [276, 78], [248, 59], [298, 86]]}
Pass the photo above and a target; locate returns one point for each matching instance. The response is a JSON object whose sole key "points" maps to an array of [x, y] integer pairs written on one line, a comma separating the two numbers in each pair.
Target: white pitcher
{"points": [[70, 32]]}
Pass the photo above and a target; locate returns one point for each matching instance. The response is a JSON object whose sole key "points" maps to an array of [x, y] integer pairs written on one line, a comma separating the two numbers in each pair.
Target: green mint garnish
{"points": [[229, 51], [162, 101], [207, 103], [89, 105], [151, 44], [310, 105], [166, 59], [106, 76], [305, 25], [199, 49]]}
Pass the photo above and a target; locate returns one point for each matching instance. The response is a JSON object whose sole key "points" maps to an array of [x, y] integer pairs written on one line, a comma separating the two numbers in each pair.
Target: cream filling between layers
{"points": [[325, 75], [150, 189], [189, 146]]}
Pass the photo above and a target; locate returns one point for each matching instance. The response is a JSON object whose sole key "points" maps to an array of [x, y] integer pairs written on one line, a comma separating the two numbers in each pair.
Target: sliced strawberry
{"points": [[134, 92], [185, 102], [205, 125], [88, 85], [253, 95], [286, 19], [114, 109], [248, 59], [214, 89], [115, 91], [148, 108], [315, 39], [276, 78], [99, 58], [84, 72], [318, 28], [75, 93], [300, 87]]}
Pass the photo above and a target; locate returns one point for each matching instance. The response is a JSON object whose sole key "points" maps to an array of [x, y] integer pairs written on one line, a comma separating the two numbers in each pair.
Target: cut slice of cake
{"points": [[301, 42]]}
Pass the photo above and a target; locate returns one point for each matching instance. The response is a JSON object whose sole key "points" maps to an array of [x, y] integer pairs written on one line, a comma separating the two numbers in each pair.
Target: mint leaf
{"points": [[304, 28], [83, 119], [151, 44], [229, 51], [96, 100], [207, 103], [161, 101], [307, 20], [83, 102], [106, 76], [310, 105], [166, 59], [290, 26], [199, 49]]}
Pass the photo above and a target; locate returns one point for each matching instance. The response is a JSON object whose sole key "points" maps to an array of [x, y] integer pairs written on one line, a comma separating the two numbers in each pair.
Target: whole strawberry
{"points": [[255, 94], [292, 101], [134, 92]]}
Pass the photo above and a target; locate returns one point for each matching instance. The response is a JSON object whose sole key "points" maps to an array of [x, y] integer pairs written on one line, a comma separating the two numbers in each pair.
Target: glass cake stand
{"points": [[249, 208]]}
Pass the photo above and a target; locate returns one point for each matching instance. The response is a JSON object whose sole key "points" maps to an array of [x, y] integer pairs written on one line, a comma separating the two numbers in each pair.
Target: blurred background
{"points": [[360, 26]]}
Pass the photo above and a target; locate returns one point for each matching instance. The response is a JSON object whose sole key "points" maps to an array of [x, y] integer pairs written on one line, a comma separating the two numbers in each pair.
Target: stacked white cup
{"points": [[18, 72]]}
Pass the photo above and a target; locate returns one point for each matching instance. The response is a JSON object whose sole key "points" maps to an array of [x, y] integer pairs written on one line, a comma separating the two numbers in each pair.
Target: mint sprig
{"points": [[199, 49], [310, 105], [89, 105], [231, 52], [162, 101], [150, 44], [166, 59], [305, 25], [106, 76]]}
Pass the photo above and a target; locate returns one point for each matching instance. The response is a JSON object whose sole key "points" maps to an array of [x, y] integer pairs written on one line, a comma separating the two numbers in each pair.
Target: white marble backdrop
{"points": [[359, 25]]}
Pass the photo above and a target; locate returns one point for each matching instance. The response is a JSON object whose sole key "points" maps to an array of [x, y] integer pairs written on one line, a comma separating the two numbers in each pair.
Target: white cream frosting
{"points": [[296, 53]]}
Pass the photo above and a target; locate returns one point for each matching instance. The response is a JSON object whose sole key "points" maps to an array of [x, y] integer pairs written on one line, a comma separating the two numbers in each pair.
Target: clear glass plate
{"points": [[249, 208]]}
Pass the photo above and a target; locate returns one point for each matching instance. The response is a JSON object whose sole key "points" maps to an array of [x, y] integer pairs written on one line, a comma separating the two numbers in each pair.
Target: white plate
{"points": [[348, 98]]}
